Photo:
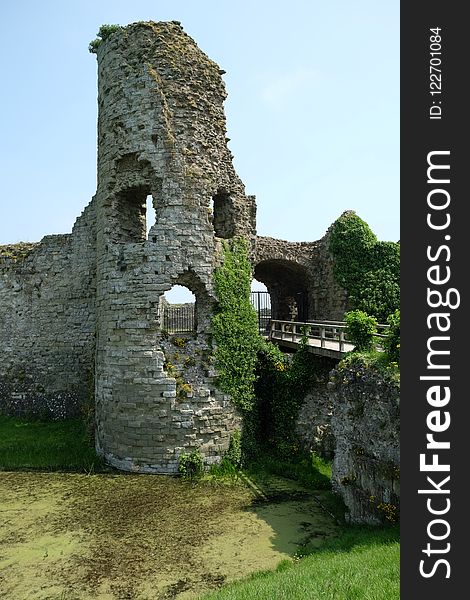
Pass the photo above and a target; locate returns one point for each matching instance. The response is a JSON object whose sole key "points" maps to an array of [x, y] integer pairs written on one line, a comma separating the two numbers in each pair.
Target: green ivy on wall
{"points": [[369, 270], [235, 326]]}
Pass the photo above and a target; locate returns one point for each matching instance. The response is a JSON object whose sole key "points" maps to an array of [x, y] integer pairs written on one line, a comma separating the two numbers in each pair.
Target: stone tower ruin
{"points": [[80, 313], [161, 131]]}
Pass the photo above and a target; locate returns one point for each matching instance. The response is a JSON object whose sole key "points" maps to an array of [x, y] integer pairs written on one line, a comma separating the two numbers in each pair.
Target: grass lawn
{"points": [[362, 564], [49, 446]]}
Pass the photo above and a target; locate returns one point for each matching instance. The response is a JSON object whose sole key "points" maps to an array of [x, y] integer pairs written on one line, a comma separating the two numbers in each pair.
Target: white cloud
{"points": [[278, 92]]}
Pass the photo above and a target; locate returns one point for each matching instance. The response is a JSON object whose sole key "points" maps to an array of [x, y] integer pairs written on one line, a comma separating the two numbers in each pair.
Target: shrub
{"points": [[191, 465], [392, 341], [360, 329], [351, 243], [281, 387], [379, 294], [104, 32]]}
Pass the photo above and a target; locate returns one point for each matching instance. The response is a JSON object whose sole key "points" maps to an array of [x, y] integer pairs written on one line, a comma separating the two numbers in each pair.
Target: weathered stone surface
{"points": [[47, 321], [366, 428], [161, 132], [313, 425]]}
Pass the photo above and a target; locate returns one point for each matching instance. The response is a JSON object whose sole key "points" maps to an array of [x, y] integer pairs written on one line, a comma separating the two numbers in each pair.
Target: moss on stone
{"points": [[17, 252]]}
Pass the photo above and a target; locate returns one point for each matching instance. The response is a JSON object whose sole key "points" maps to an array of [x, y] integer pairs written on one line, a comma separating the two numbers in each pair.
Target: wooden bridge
{"points": [[325, 338]]}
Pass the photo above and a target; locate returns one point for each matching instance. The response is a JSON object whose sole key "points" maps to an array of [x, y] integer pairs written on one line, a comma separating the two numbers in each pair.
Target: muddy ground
{"points": [[118, 537]]}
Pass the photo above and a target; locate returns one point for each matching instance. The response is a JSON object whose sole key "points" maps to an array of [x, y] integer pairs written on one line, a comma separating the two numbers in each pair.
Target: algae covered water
{"points": [[73, 536]]}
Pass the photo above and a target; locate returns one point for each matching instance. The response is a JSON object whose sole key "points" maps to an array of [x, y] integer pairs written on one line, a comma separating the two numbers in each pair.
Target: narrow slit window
{"points": [[150, 216]]}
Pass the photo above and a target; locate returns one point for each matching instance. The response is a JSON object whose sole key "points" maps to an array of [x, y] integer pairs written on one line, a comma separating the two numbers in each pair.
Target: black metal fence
{"points": [[261, 302], [179, 318]]}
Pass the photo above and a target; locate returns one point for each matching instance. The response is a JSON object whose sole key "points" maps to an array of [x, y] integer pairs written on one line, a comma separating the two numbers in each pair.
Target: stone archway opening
{"points": [[288, 287], [178, 310], [186, 307]]}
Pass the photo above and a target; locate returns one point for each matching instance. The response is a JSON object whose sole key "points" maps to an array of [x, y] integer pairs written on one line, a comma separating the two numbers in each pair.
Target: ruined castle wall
{"points": [[47, 322], [80, 314], [354, 418], [366, 428], [161, 133]]}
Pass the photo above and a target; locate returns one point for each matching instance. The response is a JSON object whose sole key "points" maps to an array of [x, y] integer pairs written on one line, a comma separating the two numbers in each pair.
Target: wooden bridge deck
{"points": [[324, 338]]}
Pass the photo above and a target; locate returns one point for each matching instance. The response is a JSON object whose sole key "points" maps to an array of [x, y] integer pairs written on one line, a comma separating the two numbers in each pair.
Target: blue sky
{"points": [[312, 111]]}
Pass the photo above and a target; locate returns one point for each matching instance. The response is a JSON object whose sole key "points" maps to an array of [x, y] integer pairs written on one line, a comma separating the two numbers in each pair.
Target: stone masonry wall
{"points": [[313, 424], [47, 322], [366, 428], [302, 271]]}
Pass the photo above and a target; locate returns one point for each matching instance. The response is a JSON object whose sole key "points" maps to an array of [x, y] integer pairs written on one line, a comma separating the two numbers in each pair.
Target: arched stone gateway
{"points": [[80, 314], [299, 278], [287, 284]]}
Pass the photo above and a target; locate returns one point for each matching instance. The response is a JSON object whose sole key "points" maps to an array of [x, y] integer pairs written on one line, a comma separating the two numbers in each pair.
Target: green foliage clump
{"points": [[281, 387], [104, 32], [190, 465], [368, 269], [235, 326], [183, 390], [392, 341], [370, 361], [234, 452], [351, 241], [361, 328]]}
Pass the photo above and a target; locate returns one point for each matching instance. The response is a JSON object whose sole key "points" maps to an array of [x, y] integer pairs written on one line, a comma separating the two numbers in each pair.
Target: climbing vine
{"points": [[282, 384], [235, 326], [368, 269]]}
